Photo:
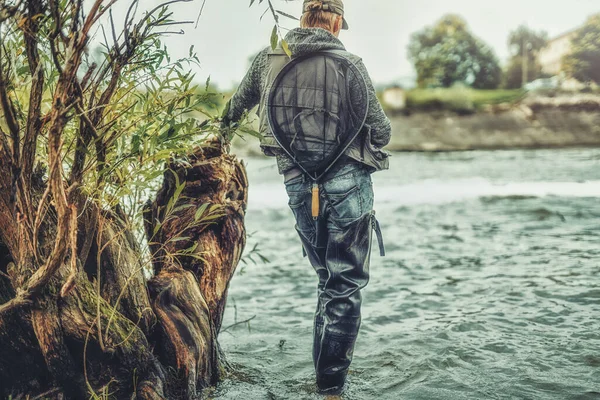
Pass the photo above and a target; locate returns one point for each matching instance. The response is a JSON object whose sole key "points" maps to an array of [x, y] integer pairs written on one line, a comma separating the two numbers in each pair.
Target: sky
{"points": [[229, 32]]}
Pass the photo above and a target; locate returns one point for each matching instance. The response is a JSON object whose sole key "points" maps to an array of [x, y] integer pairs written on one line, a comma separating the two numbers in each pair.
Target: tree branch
{"points": [[9, 111], [64, 91], [30, 33]]}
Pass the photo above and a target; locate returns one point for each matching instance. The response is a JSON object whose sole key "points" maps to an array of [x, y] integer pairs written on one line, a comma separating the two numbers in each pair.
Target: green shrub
{"points": [[460, 100]]}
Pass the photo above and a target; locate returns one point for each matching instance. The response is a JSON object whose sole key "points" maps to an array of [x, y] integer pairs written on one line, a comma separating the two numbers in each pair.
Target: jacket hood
{"points": [[303, 41]]}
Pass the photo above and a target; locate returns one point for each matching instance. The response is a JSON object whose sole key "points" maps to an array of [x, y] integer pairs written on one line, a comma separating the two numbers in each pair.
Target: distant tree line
{"points": [[584, 61], [448, 53]]}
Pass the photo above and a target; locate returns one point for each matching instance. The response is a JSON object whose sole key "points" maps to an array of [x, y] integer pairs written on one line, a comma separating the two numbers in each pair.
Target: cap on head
{"points": [[334, 6]]}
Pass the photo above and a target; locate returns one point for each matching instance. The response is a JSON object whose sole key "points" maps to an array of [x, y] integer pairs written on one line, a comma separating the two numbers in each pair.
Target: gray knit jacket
{"points": [[303, 41]]}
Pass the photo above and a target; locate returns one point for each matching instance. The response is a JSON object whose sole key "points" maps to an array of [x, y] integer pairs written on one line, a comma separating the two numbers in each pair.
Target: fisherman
{"points": [[334, 213]]}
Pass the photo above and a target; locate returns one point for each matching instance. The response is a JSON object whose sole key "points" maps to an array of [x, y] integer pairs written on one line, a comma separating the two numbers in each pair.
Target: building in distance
{"points": [[551, 56]]}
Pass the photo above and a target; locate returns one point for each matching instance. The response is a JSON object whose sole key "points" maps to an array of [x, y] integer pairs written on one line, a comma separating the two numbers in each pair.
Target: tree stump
{"points": [[117, 332]]}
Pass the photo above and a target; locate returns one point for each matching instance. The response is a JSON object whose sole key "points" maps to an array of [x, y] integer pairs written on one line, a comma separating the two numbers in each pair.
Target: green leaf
{"points": [[212, 217], [183, 207], [156, 228], [226, 109], [170, 205], [287, 15], [251, 132], [135, 144], [191, 249], [23, 70], [275, 16], [180, 239], [286, 48], [200, 211], [179, 188], [196, 256], [274, 38]]}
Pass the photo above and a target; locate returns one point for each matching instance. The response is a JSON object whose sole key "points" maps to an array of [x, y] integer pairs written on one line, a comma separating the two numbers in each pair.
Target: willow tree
{"points": [[101, 291]]}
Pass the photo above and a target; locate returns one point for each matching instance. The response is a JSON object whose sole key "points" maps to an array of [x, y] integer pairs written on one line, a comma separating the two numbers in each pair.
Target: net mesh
{"points": [[316, 108]]}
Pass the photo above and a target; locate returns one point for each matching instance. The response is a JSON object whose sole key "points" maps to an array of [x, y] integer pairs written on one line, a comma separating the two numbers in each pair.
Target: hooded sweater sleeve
{"points": [[381, 128], [247, 95]]}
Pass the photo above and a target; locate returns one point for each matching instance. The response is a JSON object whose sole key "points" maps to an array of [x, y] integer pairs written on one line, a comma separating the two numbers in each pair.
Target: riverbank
{"points": [[535, 122]]}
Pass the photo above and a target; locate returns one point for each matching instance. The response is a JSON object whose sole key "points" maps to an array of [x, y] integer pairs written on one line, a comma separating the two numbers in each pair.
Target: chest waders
{"points": [[316, 108], [312, 116]]}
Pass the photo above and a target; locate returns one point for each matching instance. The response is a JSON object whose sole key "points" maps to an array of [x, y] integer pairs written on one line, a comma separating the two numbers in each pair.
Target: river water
{"points": [[490, 289]]}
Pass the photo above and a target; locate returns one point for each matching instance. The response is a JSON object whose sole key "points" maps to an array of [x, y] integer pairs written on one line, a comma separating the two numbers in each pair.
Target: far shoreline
{"points": [[536, 122], [575, 146]]}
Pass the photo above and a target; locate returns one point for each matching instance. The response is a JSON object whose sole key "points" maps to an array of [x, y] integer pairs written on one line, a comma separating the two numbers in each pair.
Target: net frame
{"points": [[317, 175]]}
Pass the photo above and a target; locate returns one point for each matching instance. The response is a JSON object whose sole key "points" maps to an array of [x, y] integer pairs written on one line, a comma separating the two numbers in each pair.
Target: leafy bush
{"points": [[458, 99], [584, 61], [447, 53]]}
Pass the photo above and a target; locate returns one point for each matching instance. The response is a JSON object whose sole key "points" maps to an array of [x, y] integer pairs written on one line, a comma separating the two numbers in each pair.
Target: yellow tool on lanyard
{"points": [[315, 201]]}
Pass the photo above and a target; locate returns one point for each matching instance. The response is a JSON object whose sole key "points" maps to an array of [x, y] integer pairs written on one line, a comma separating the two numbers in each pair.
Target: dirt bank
{"points": [[534, 123]]}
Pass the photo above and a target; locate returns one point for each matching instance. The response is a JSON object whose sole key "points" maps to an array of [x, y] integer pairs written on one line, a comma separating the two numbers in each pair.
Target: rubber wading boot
{"points": [[347, 263], [316, 256]]}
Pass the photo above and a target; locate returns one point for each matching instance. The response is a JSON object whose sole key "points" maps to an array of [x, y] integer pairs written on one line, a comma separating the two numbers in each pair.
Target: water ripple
{"points": [[489, 290]]}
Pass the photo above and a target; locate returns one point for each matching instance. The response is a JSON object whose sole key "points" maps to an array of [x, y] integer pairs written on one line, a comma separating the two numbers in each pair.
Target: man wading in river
{"points": [[321, 119]]}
